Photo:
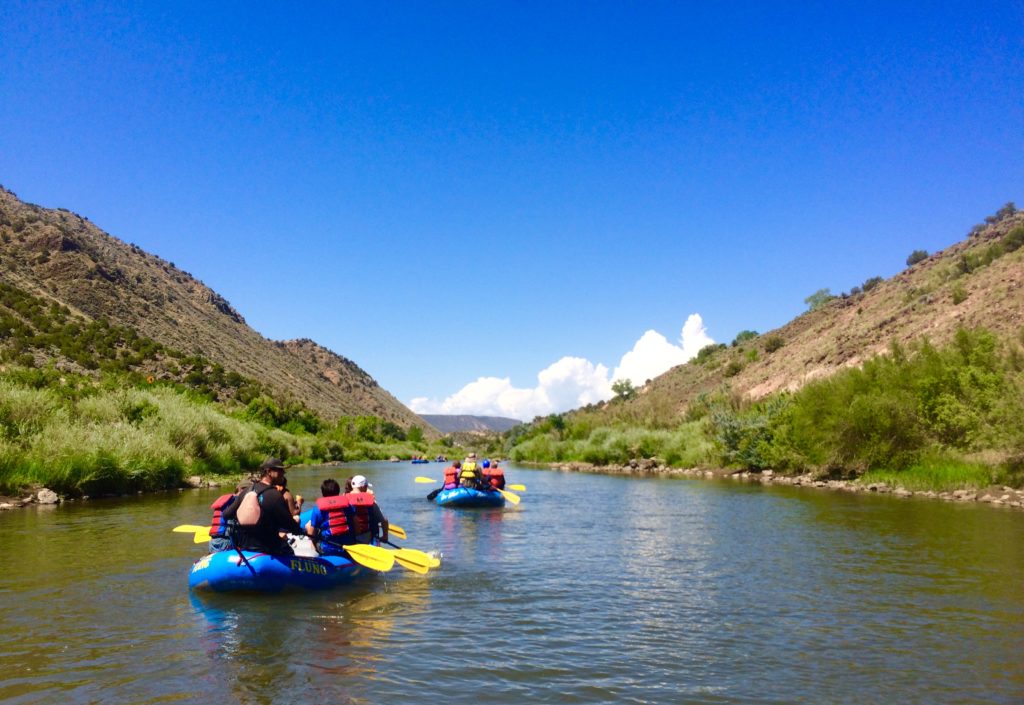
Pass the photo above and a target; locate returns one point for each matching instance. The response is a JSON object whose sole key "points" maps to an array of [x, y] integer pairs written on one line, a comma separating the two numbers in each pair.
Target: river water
{"points": [[595, 589]]}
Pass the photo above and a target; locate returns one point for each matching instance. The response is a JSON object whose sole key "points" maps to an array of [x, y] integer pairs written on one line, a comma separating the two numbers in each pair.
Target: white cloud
{"points": [[653, 354], [571, 382]]}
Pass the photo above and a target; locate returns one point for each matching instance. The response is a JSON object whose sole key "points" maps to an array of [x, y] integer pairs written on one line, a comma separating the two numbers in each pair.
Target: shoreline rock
{"points": [[998, 496]]}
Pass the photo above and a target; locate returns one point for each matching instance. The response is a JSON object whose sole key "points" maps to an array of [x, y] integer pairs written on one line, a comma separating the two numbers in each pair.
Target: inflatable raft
{"points": [[226, 571], [467, 497]]}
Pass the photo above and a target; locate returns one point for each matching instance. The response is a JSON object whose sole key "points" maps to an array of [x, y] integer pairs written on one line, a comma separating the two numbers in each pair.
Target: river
{"points": [[595, 589]]}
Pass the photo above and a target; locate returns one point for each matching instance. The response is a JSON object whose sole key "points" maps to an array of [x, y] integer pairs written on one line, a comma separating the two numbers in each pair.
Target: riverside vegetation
{"points": [[87, 407], [941, 407], [926, 418]]}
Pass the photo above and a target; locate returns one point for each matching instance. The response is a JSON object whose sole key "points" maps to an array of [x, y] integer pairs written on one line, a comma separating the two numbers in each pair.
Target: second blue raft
{"points": [[467, 497]]}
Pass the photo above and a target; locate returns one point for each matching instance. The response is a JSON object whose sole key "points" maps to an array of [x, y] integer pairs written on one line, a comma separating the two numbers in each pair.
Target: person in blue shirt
{"points": [[332, 521]]}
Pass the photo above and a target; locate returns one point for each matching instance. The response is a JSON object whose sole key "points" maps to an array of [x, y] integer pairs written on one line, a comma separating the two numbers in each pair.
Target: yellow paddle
{"points": [[189, 528], [397, 531], [513, 498], [373, 557], [414, 560], [202, 533], [521, 488]]}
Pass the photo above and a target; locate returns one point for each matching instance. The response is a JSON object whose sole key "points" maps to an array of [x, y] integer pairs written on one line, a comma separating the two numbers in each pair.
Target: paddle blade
{"points": [[373, 557], [189, 529], [410, 563], [513, 498], [395, 530], [425, 480], [201, 536], [419, 557], [517, 488]]}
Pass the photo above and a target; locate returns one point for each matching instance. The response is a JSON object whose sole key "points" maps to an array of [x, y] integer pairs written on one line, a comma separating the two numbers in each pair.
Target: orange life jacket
{"points": [[451, 476], [362, 502], [219, 526], [338, 509], [495, 477]]}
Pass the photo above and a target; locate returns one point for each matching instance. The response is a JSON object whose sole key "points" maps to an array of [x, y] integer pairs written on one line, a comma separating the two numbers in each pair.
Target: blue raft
{"points": [[226, 571], [467, 497]]}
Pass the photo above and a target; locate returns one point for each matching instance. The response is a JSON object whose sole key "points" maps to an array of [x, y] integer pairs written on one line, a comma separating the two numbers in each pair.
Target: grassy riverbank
{"points": [[926, 418], [79, 435]]}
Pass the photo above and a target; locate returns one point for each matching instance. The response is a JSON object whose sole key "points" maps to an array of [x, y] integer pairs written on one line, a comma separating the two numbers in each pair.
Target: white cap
{"points": [[359, 481]]}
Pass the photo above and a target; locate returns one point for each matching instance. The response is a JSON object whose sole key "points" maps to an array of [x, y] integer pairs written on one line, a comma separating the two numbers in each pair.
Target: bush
{"points": [[870, 284], [773, 343], [916, 256], [707, 352], [743, 336]]}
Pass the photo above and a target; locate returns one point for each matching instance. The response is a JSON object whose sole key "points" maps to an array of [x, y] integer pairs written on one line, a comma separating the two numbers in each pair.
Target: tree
{"points": [[818, 299], [415, 434], [623, 389], [916, 256]]}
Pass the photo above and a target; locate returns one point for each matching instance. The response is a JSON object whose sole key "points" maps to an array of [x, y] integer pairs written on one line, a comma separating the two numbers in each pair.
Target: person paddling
{"points": [[262, 513], [470, 476], [331, 522], [370, 522], [220, 528], [494, 477]]}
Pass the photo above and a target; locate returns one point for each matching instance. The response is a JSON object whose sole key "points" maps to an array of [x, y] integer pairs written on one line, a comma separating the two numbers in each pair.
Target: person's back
{"points": [[469, 476], [332, 519], [274, 516], [222, 528], [451, 475], [494, 476], [370, 522]]}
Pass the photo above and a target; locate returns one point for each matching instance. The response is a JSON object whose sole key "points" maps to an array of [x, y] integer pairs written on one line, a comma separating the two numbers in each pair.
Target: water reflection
{"points": [[594, 589]]}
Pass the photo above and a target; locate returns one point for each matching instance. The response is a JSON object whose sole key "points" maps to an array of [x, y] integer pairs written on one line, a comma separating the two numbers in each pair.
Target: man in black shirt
{"points": [[274, 516]]}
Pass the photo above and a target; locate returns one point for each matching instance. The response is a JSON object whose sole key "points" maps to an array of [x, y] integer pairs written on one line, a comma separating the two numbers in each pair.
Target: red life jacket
{"points": [[451, 477], [362, 502], [337, 509], [219, 526], [495, 477]]}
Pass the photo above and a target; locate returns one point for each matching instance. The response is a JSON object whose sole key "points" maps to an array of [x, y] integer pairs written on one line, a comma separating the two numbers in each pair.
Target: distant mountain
{"points": [[62, 258], [449, 423]]}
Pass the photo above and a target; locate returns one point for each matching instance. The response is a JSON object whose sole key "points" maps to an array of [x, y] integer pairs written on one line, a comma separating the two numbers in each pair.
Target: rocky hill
{"points": [[61, 257], [978, 282], [454, 423]]}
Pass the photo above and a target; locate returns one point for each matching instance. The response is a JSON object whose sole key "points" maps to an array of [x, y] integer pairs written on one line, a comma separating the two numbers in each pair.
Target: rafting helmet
{"points": [[486, 463]]}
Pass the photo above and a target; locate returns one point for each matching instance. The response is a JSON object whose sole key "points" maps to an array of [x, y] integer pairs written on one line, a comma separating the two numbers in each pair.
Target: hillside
{"points": [[58, 256], [978, 282], [454, 423]]}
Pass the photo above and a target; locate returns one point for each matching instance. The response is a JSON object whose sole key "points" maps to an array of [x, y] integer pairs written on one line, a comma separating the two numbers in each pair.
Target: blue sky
{"points": [[513, 196]]}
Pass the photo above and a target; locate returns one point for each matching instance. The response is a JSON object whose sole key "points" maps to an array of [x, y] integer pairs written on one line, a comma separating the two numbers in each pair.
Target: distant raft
{"points": [[226, 571], [467, 497]]}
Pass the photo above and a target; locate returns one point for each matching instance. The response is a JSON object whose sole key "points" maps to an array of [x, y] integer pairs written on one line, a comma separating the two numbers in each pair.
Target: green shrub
{"points": [[743, 336], [916, 256], [870, 284]]}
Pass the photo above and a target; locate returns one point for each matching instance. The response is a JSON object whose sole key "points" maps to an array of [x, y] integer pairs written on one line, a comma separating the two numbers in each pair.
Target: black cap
{"points": [[272, 464]]}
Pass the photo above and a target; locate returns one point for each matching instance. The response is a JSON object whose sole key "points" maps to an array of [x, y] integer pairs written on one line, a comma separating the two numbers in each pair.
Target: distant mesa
{"points": [[454, 423]]}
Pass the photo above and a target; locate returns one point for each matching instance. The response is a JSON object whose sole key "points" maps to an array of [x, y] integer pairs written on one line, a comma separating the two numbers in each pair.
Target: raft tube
{"points": [[225, 571], [467, 497]]}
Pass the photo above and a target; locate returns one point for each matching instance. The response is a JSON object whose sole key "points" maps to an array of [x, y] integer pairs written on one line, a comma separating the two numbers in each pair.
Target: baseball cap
{"points": [[359, 481]]}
